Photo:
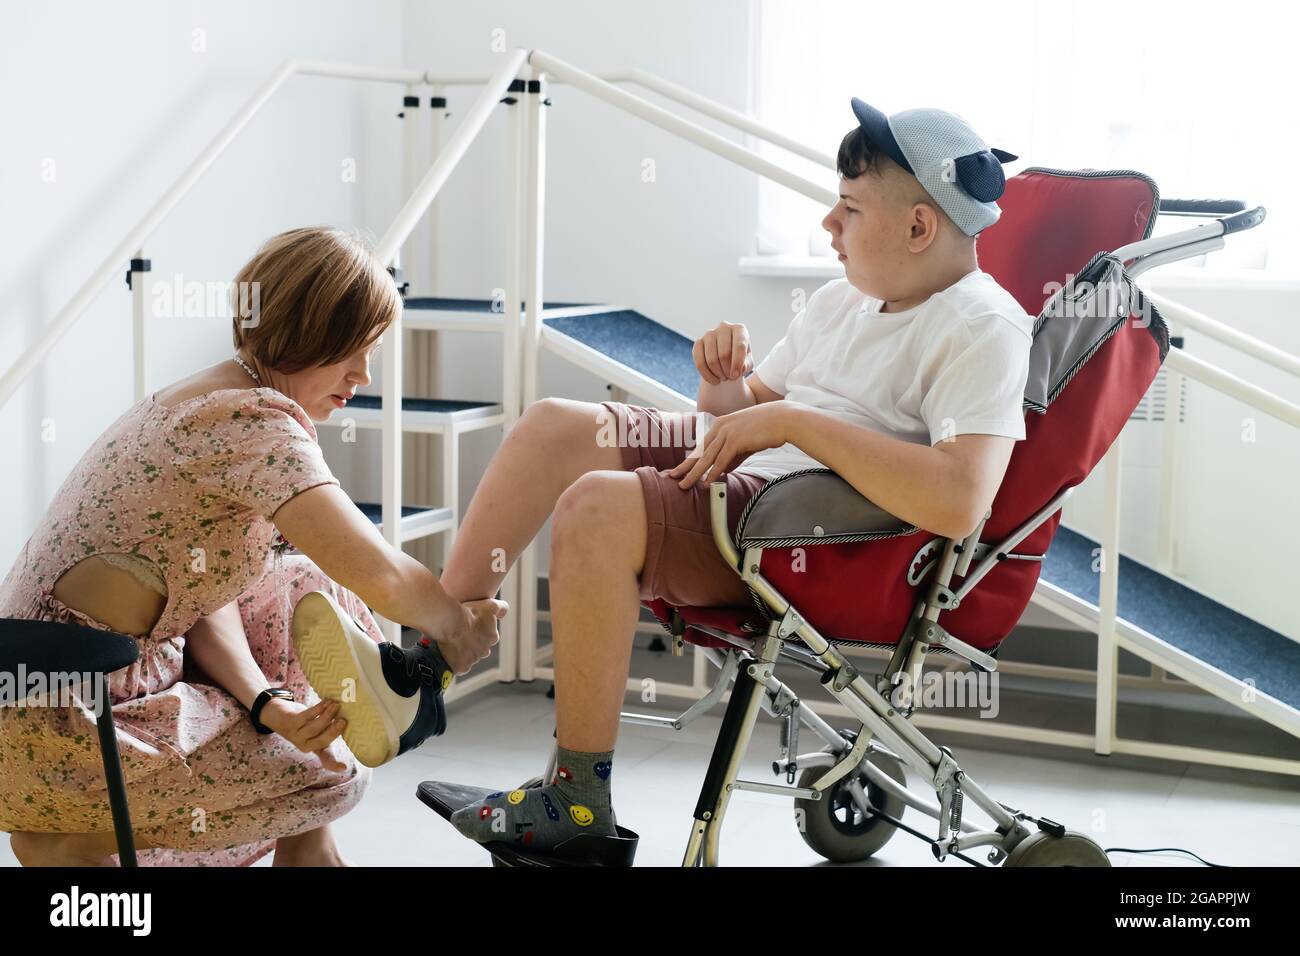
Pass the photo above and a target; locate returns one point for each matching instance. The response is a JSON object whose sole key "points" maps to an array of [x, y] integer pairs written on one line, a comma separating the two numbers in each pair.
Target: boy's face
{"points": [[870, 228]]}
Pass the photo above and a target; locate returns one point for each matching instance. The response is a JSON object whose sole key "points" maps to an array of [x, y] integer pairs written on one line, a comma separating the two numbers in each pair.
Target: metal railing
{"points": [[525, 214]]}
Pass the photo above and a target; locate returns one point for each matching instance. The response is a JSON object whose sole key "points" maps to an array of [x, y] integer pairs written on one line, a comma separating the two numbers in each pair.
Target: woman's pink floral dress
{"points": [[191, 487]]}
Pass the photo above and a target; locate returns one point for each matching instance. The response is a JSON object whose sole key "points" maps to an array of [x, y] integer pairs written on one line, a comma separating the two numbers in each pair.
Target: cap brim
{"points": [[875, 125]]}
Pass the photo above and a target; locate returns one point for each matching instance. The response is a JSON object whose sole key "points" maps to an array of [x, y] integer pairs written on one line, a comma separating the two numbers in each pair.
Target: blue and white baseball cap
{"points": [[954, 165]]}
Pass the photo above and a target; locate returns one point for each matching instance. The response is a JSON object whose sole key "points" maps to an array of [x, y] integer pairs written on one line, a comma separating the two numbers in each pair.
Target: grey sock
{"points": [[576, 801]]}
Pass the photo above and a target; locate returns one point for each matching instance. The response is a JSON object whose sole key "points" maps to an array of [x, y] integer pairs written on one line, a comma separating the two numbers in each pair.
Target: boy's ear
{"points": [[924, 226]]}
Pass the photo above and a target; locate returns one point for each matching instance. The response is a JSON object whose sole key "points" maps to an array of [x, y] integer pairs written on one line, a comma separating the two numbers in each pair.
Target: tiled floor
{"points": [[500, 737]]}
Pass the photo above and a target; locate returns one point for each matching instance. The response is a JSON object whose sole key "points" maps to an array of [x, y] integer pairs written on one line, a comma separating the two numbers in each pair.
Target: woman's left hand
{"points": [[733, 438], [310, 729]]}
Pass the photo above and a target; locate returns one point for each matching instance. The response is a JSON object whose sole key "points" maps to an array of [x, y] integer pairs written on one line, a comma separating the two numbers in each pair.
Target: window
{"points": [[1196, 95]]}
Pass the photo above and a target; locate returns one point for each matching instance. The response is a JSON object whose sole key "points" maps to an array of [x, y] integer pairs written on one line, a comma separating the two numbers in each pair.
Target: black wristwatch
{"points": [[262, 698]]}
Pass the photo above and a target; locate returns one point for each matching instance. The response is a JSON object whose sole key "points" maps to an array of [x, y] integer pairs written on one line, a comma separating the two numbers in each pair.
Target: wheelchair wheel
{"points": [[1043, 849], [835, 828]]}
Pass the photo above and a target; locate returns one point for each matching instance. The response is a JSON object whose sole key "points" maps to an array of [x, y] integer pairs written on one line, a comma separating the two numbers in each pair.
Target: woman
{"points": [[172, 529]]}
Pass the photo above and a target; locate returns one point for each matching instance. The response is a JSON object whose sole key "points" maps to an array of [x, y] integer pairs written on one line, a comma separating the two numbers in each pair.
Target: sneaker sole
{"points": [[329, 660]]}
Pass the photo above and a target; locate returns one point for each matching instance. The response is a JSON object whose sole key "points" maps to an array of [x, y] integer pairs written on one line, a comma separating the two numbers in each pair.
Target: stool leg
{"points": [[116, 782]]}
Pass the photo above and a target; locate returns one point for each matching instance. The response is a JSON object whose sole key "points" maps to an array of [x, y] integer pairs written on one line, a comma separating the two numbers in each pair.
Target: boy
{"points": [[905, 377]]}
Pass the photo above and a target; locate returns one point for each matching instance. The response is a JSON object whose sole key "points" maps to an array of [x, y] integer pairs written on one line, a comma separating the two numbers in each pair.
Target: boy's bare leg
{"points": [[551, 446], [598, 541], [597, 553]]}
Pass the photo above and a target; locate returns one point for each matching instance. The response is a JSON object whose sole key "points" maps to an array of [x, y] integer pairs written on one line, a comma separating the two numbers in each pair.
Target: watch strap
{"points": [[255, 712]]}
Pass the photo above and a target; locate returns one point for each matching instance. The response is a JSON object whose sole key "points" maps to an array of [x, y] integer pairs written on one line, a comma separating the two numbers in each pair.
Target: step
{"points": [[630, 351], [429, 415], [1191, 623], [440, 314], [417, 521]]}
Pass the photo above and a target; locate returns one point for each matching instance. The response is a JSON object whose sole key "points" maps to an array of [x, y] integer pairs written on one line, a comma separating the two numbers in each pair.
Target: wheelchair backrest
{"points": [[1098, 343]]}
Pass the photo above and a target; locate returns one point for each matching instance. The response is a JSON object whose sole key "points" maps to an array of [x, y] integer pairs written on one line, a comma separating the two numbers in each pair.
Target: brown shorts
{"points": [[682, 564]]}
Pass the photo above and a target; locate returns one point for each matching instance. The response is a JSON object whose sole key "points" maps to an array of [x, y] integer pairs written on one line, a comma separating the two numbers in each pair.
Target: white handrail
{"points": [[1231, 385], [1256, 348], [115, 262], [354, 71], [680, 94], [386, 251], [450, 155], [674, 124], [724, 114]]}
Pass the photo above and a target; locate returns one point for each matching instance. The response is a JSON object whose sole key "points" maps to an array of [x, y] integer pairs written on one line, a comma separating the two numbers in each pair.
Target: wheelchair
{"points": [[829, 570]]}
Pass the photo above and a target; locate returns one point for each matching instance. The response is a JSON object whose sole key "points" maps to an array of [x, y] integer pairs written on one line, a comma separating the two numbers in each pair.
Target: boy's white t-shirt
{"points": [[956, 364]]}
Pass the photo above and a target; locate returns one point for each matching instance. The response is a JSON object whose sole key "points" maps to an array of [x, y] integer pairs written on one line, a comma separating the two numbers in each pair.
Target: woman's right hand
{"points": [[470, 636]]}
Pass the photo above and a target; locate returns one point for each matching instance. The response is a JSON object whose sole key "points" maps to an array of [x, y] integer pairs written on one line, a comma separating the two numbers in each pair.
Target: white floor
{"points": [[501, 736]]}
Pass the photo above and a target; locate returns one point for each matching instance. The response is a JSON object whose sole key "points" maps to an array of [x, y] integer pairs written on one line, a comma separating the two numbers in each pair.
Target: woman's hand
{"points": [[310, 729], [733, 438], [470, 635]]}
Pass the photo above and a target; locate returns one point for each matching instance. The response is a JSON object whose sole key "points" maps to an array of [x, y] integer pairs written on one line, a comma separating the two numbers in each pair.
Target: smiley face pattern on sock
{"points": [[575, 801]]}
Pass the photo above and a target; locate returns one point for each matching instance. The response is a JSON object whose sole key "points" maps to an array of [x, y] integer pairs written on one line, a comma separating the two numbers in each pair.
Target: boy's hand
{"points": [[722, 354], [733, 438]]}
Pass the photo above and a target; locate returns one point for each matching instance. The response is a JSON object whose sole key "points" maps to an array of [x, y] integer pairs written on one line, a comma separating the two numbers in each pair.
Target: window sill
{"points": [[1165, 277], [791, 267]]}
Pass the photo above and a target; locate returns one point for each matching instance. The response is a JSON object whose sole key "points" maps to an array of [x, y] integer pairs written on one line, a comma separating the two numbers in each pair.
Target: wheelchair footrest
{"points": [[581, 850]]}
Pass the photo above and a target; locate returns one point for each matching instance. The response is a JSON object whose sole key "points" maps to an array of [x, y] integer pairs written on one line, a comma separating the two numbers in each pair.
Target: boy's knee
{"points": [[584, 503], [543, 410], [552, 414], [598, 506]]}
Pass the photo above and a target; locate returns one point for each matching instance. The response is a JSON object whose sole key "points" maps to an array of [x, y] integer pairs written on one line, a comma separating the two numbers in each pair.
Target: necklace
{"points": [[249, 369]]}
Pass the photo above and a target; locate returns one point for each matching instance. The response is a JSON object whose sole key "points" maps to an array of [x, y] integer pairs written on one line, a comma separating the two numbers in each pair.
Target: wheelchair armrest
{"points": [[815, 506]]}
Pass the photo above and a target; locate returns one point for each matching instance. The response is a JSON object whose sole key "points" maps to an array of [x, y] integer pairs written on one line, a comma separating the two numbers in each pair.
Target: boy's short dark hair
{"points": [[857, 155]]}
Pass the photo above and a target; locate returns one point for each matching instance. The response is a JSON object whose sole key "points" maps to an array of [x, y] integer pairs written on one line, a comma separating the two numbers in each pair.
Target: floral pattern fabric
{"points": [[192, 488]]}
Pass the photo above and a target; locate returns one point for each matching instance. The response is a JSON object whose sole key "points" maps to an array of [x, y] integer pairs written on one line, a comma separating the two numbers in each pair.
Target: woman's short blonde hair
{"points": [[311, 296]]}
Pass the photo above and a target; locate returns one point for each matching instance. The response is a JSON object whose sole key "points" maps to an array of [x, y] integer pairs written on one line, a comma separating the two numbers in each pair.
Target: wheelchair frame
{"points": [[749, 666]]}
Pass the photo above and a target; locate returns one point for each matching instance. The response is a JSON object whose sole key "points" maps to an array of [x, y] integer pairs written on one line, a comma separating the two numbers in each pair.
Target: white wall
{"points": [[118, 98], [667, 248]]}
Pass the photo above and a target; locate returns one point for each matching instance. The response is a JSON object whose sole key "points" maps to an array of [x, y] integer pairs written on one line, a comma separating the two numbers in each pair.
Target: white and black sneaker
{"points": [[390, 696]]}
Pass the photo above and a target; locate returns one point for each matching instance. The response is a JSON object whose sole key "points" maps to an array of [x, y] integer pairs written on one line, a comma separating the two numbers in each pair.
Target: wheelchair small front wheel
{"points": [[1069, 849], [835, 827]]}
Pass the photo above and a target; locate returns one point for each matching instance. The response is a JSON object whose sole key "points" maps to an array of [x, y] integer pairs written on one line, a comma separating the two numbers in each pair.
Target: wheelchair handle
{"points": [[1248, 219], [1201, 207]]}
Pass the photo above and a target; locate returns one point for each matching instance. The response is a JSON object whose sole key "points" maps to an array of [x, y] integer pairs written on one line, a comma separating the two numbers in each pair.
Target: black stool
{"points": [[48, 648]]}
